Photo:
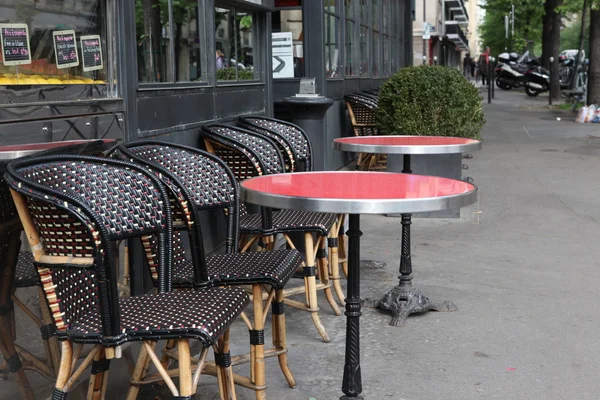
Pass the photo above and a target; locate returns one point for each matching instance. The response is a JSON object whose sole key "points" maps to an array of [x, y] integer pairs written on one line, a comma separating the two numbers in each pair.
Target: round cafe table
{"points": [[356, 193], [17, 359], [404, 299]]}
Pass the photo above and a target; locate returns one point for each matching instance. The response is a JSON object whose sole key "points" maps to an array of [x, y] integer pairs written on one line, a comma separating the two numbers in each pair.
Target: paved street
{"points": [[521, 265]]}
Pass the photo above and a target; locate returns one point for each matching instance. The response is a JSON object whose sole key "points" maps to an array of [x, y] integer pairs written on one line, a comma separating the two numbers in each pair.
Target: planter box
{"points": [[444, 165]]}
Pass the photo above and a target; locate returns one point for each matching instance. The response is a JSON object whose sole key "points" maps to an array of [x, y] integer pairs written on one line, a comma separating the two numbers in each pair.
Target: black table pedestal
{"points": [[352, 383], [404, 299]]}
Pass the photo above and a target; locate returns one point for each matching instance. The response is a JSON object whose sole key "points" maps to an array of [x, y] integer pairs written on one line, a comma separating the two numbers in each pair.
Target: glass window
{"points": [[55, 43], [364, 51], [287, 43], [332, 39], [376, 53], [168, 44], [376, 36], [235, 40], [332, 52], [351, 53], [351, 38], [386, 56]]}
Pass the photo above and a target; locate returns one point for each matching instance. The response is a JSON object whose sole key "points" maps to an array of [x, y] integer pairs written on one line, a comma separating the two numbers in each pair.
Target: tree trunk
{"points": [[593, 85], [554, 50], [153, 32], [581, 42], [549, 8]]}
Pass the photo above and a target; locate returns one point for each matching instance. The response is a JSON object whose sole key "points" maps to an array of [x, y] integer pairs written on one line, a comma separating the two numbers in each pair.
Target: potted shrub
{"points": [[432, 101]]}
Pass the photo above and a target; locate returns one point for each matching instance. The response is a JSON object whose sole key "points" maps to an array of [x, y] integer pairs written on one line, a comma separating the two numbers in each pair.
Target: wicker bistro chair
{"points": [[201, 181], [302, 151], [73, 209], [25, 276], [281, 131], [251, 154], [372, 92], [361, 110]]}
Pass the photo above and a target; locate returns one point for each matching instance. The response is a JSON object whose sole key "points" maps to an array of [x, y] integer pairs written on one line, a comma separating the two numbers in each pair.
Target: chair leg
{"points": [[324, 276], [64, 371], [187, 382], [310, 284], [53, 347], [99, 377], [334, 262], [257, 344], [140, 370], [166, 359], [185, 369], [280, 337], [343, 245], [224, 369]]}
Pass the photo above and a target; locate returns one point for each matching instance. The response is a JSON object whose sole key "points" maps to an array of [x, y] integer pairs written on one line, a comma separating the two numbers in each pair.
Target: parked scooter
{"points": [[537, 81], [524, 71], [509, 73]]}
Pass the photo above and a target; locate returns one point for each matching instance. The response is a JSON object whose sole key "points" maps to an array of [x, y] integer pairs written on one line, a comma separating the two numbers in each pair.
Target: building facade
{"points": [[164, 68], [440, 31]]}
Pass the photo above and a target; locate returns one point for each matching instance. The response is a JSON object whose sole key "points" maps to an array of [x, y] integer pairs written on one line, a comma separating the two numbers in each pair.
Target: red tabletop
{"points": [[407, 144], [358, 192]]}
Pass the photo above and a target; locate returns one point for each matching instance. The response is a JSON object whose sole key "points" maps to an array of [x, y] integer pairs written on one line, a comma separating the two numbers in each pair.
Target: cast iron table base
{"points": [[404, 299]]}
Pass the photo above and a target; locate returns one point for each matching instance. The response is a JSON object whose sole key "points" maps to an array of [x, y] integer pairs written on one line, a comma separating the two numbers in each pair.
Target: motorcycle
{"points": [[525, 72], [510, 73], [537, 81]]}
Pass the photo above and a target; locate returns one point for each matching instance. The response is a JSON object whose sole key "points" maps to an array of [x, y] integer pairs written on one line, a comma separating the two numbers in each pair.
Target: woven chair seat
{"points": [[273, 268], [201, 314], [25, 275], [289, 221]]}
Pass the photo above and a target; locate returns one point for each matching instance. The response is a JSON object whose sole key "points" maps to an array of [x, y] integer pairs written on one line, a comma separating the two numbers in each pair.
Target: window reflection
{"points": [[42, 19], [332, 46], [234, 36], [157, 62], [288, 21]]}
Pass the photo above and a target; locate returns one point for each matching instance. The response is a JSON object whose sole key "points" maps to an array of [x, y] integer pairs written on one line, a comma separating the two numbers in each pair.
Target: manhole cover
{"points": [[372, 264]]}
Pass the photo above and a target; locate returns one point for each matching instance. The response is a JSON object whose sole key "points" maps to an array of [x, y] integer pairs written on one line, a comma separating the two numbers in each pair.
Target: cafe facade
{"points": [[128, 70], [163, 68]]}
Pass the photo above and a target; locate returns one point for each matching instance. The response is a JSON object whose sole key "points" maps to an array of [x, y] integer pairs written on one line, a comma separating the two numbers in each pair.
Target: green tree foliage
{"points": [[429, 101], [528, 24], [569, 37]]}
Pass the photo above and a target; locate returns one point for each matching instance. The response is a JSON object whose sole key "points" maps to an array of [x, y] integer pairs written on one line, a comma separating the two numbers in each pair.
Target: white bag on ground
{"points": [[581, 114], [590, 113]]}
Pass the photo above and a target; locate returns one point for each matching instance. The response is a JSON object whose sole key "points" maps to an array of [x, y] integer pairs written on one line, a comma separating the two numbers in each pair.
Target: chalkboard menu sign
{"points": [[65, 49], [14, 40], [91, 52]]}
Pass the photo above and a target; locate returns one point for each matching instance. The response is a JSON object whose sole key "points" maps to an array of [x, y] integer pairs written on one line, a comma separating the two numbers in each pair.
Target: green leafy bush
{"points": [[228, 74], [429, 101]]}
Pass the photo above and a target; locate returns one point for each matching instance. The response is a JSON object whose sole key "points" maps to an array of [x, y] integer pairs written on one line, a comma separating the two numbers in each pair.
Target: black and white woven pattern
{"points": [[25, 274], [365, 100], [122, 200], [250, 145], [289, 221], [292, 134], [125, 201], [284, 146], [205, 178], [271, 267], [201, 314]]}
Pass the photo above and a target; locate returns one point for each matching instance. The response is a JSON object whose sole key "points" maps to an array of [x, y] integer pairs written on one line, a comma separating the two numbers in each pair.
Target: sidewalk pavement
{"points": [[522, 267]]}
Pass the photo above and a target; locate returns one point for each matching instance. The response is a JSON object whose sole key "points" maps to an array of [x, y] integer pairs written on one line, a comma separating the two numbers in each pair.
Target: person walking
{"points": [[220, 59], [484, 61], [467, 61]]}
